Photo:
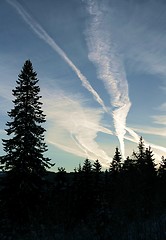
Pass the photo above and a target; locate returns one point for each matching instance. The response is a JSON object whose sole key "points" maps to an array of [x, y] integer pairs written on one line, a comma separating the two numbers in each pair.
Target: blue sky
{"points": [[101, 66]]}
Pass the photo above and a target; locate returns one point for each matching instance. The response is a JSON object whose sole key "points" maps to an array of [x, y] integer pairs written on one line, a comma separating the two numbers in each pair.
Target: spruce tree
{"points": [[146, 178], [144, 160], [97, 167], [128, 165], [115, 178], [149, 163], [87, 177], [162, 168], [162, 183], [116, 163], [140, 155], [25, 146], [87, 166]]}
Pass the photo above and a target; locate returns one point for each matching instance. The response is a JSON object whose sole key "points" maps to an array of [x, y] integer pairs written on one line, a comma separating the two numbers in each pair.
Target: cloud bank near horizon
{"points": [[78, 133]]}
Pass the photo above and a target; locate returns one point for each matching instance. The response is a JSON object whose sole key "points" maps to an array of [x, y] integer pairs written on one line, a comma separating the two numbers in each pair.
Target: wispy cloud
{"points": [[134, 137], [139, 29], [159, 119], [151, 130], [41, 33], [73, 127], [103, 54], [162, 107]]}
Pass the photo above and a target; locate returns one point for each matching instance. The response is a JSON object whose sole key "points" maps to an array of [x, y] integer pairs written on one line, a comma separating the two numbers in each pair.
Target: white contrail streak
{"points": [[110, 69], [41, 33], [85, 137], [136, 139], [79, 133]]}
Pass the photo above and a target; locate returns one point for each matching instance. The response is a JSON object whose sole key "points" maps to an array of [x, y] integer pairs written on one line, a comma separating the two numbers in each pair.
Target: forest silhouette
{"points": [[125, 202]]}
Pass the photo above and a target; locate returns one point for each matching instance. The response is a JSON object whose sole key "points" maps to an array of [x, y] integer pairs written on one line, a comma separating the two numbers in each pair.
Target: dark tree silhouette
{"points": [[162, 183], [162, 168], [126, 202], [96, 169], [140, 155], [150, 166], [87, 166], [146, 178], [129, 165], [144, 160], [61, 175], [79, 169], [97, 166], [24, 161], [116, 163]]}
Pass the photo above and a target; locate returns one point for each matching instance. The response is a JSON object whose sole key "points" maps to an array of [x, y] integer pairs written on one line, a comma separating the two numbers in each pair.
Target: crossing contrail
{"points": [[110, 69], [41, 33]]}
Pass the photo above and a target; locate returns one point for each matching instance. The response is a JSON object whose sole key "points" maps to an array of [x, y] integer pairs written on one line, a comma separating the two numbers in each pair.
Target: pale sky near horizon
{"points": [[101, 66]]}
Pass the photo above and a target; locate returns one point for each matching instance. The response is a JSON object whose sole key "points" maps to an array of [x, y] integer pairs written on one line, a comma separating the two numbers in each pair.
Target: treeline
{"points": [[125, 202], [129, 192]]}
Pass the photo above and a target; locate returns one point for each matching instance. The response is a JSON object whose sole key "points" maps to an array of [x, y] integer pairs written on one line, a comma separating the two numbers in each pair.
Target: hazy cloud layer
{"points": [[73, 126]]}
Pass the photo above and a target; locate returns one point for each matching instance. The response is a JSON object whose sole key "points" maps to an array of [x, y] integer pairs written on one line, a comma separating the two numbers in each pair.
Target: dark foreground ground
{"points": [[78, 207]]}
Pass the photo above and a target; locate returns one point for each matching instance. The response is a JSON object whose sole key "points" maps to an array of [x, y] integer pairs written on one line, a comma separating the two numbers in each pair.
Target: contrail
{"points": [[136, 139], [84, 139], [110, 69], [41, 33]]}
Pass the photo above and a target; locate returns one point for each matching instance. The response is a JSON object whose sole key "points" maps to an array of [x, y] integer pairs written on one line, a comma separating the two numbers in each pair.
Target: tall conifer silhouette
{"points": [[25, 147]]}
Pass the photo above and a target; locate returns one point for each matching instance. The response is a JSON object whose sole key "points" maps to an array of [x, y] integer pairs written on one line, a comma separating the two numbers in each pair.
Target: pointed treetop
{"points": [[116, 162]]}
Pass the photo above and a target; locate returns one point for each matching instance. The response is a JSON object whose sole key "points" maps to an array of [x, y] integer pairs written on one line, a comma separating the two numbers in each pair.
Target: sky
{"points": [[101, 66]]}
